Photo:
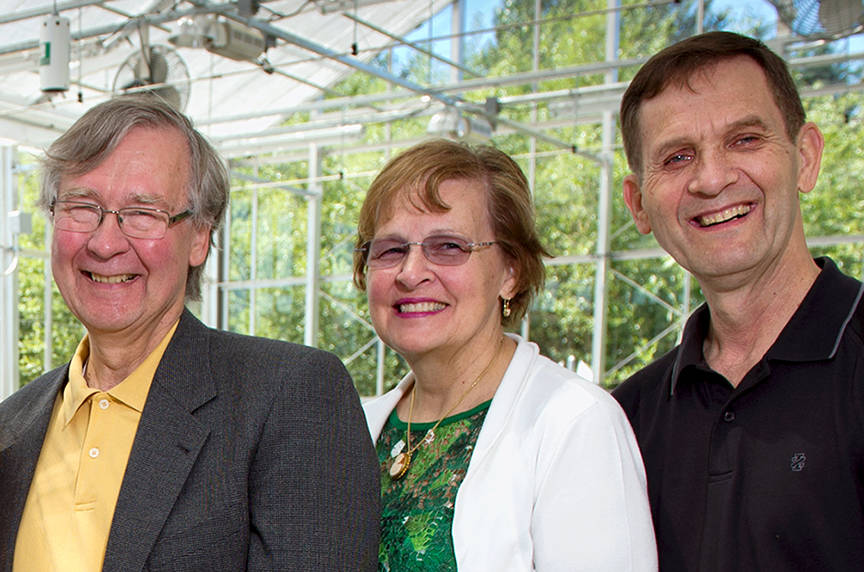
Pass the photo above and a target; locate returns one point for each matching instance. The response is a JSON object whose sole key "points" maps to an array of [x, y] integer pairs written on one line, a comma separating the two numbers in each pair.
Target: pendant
{"points": [[430, 436], [397, 448], [399, 466]]}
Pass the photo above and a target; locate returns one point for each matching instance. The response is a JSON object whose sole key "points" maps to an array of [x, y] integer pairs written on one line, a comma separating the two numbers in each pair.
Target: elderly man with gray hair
{"points": [[164, 444]]}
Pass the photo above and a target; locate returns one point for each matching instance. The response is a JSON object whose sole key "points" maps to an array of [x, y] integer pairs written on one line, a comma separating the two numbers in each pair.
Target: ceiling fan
{"points": [[157, 69], [821, 19]]}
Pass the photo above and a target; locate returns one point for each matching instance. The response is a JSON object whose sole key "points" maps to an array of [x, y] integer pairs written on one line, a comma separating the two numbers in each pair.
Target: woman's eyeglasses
{"points": [[441, 250]]}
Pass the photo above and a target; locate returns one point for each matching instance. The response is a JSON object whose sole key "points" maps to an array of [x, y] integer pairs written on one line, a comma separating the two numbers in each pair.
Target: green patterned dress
{"points": [[417, 510]]}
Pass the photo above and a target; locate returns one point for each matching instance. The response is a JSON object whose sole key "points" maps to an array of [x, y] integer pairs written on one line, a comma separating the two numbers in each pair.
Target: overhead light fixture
{"points": [[54, 39], [452, 124], [189, 33], [220, 36], [236, 41]]}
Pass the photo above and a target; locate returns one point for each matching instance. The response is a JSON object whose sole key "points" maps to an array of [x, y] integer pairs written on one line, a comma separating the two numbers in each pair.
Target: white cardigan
{"points": [[555, 482]]}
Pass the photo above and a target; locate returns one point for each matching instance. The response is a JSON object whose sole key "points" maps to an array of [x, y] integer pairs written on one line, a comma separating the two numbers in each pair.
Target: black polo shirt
{"points": [[768, 475]]}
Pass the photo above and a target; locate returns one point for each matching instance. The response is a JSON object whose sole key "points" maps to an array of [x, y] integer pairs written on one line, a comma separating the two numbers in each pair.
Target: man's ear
{"points": [[810, 145], [633, 198], [200, 245]]}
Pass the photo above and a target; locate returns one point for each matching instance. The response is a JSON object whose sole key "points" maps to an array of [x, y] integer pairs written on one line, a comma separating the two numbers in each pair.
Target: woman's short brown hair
{"points": [[424, 167]]}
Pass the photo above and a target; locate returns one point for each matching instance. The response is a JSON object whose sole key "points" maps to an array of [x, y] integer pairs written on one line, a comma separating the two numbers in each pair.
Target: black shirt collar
{"points": [[813, 332]]}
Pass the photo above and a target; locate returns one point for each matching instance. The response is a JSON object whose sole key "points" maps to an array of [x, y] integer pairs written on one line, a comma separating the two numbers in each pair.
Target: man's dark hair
{"points": [[676, 64]]}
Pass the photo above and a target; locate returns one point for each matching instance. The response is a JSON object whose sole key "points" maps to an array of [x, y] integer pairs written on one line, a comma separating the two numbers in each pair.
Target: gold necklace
{"points": [[402, 461]]}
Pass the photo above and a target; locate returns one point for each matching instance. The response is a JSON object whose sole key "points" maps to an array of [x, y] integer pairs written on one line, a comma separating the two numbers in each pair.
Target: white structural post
{"points": [[685, 303], [531, 175], [253, 263], [601, 285], [8, 274], [380, 354], [48, 305], [223, 272], [209, 313], [313, 248], [457, 42]]}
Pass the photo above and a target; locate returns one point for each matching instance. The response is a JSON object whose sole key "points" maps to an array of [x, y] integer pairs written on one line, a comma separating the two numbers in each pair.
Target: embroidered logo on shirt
{"points": [[798, 461]]}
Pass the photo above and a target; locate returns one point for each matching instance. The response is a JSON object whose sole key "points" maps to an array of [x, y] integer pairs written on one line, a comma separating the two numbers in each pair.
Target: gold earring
{"points": [[505, 311]]}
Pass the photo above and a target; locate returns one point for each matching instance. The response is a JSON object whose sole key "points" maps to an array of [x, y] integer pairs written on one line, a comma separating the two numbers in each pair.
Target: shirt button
{"points": [[94, 452], [103, 404], [729, 416]]}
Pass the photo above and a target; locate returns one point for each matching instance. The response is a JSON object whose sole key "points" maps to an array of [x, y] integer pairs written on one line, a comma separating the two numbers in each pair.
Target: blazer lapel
{"points": [[167, 443]]}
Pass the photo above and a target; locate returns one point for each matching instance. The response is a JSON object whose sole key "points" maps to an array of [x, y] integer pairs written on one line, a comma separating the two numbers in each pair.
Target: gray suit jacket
{"points": [[251, 454]]}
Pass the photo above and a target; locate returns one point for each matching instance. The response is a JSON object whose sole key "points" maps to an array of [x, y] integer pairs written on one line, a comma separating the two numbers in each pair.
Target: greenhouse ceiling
{"points": [[258, 76], [237, 68]]}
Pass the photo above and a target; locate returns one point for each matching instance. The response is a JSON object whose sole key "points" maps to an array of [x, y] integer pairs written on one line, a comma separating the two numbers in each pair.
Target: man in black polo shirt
{"points": [[752, 429]]}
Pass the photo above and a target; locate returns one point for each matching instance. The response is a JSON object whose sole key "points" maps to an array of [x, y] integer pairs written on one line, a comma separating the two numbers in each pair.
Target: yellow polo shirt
{"points": [[67, 516]]}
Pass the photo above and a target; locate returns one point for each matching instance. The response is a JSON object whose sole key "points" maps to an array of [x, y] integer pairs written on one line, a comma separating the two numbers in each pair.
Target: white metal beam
{"points": [[313, 250], [8, 275]]}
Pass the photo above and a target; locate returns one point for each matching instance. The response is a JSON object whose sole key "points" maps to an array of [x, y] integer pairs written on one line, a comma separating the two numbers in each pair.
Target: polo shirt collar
{"points": [[690, 350], [816, 328], [813, 333], [77, 391], [132, 391]]}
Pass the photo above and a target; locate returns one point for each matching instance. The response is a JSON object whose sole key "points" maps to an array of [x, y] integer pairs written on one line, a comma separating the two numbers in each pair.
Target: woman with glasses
{"points": [[492, 456]]}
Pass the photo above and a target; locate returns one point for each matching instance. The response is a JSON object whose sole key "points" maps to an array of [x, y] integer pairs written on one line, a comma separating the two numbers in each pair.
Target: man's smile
{"points": [[116, 279], [723, 216]]}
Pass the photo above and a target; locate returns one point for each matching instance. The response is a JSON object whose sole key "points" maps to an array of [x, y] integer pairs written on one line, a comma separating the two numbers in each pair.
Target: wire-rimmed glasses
{"points": [[441, 250], [134, 222]]}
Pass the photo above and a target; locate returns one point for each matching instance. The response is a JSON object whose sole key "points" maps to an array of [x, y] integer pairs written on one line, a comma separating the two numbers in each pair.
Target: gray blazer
{"points": [[251, 454]]}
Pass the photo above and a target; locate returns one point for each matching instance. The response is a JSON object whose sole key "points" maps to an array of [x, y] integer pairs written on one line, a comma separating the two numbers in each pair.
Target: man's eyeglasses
{"points": [[134, 222], [441, 250]]}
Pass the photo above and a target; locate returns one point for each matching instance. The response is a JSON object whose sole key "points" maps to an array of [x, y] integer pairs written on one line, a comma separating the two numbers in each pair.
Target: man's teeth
{"points": [[421, 307], [111, 279], [723, 216]]}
